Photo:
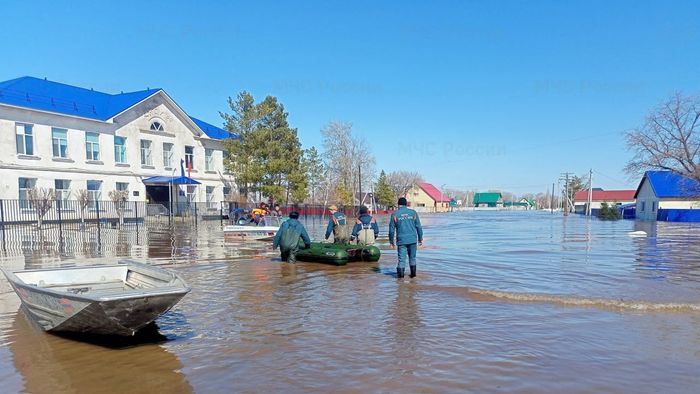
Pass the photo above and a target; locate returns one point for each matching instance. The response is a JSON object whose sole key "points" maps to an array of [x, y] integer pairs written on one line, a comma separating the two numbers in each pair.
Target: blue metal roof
{"points": [[43, 95], [213, 131], [668, 184]]}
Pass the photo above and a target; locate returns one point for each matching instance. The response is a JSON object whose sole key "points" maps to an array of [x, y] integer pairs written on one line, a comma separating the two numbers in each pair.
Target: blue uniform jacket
{"points": [[340, 217], [365, 219], [405, 226], [297, 226]]}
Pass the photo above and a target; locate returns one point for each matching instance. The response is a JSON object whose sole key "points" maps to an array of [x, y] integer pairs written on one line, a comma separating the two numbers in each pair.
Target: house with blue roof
{"points": [[668, 196], [71, 138]]}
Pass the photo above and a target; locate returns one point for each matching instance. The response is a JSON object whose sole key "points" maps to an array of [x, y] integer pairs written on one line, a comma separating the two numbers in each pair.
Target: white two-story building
{"points": [[68, 138]]}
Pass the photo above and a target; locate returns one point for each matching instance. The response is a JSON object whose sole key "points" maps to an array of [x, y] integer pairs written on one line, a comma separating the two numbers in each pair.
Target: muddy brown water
{"points": [[504, 302]]}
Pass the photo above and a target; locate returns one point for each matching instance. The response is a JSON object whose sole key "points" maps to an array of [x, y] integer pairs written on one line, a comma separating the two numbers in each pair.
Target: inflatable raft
{"points": [[328, 253]]}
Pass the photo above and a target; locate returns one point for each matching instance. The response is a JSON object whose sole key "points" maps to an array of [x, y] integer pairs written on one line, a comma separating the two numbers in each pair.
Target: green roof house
{"points": [[491, 200]]}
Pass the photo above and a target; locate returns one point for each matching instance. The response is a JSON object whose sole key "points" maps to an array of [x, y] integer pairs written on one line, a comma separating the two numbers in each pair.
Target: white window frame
{"points": [[210, 197], [168, 154], [209, 159], [23, 195], [120, 150], [24, 138], [191, 193], [63, 193], [93, 194], [58, 142], [146, 153], [92, 149], [189, 157], [157, 125]]}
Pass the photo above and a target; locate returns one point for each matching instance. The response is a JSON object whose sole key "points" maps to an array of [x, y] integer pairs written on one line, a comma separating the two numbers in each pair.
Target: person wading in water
{"points": [[404, 225], [288, 236]]}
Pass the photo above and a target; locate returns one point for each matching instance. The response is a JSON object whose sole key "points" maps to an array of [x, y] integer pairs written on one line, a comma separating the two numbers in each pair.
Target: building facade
{"points": [[611, 197], [666, 196], [69, 138], [424, 197]]}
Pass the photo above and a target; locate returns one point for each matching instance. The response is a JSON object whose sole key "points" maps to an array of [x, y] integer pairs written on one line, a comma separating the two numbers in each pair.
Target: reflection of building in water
{"points": [[669, 250], [52, 364]]}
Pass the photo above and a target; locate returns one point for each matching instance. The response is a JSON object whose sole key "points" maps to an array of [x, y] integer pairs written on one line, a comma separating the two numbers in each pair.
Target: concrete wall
{"points": [[134, 125]]}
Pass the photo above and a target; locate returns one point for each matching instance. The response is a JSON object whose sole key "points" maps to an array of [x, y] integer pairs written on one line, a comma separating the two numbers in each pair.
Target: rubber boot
{"points": [[400, 272], [413, 271]]}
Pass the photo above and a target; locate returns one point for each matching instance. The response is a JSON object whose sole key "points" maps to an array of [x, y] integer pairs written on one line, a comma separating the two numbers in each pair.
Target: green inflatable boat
{"points": [[328, 253]]}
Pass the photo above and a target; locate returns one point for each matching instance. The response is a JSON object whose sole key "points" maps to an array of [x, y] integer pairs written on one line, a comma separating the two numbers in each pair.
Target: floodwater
{"points": [[504, 301]]}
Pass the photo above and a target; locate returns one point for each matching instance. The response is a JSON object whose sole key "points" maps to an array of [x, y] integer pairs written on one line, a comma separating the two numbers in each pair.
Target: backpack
{"points": [[366, 234], [341, 232], [290, 239]]}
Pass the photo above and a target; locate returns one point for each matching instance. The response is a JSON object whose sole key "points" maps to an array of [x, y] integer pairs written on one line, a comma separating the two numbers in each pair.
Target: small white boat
{"points": [[116, 299], [264, 231]]}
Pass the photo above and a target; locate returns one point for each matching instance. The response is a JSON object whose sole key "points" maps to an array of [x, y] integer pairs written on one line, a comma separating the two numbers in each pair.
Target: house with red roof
{"points": [[425, 197], [612, 197]]}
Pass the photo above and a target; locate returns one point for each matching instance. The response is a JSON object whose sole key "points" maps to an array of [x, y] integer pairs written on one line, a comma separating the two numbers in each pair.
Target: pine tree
{"points": [[385, 196], [267, 155]]}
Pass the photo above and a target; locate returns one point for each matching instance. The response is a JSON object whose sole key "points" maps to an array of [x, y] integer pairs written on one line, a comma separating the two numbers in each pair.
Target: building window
{"points": [[120, 149], [190, 193], [653, 206], [123, 186], [146, 158], [59, 140], [167, 155], [209, 159], [62, 187], [92, 146], [25, 139], [189, 157], [210, 197], [94, 189], [642, 207], [157, 125], [227, 192], [25, 184]]}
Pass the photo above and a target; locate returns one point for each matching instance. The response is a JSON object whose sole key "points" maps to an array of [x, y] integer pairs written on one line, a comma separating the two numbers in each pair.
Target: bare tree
{"points": [[83, 201], [42, 201], [669, 139], [119, 197], [403, 181], [345, 154]]}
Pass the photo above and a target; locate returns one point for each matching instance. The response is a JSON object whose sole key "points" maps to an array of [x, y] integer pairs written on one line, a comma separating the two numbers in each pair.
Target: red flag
{"points": [[189, 168]]}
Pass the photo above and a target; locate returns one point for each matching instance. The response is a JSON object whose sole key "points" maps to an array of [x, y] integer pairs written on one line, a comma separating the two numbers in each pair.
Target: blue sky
{"points": [[471, 94]]}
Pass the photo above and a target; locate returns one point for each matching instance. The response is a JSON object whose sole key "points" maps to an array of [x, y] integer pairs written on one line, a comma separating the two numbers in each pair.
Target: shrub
{"points": [[608, 213]]}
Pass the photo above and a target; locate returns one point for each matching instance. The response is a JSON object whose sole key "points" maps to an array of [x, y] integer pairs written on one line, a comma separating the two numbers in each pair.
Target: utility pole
{"points": [[566, 198], [590, 193], [551, 200]]}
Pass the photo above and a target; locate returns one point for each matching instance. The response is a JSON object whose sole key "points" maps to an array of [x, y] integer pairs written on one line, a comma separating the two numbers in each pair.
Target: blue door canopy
{"points": [[170, 180]]}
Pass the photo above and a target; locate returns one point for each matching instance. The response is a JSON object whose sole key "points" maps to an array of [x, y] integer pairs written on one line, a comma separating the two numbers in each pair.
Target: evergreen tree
{"points": [[315, 171], [266, 157], [385, 196]]}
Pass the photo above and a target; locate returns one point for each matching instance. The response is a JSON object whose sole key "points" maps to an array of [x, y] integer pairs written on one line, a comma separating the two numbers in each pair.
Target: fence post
{"points": [[136, 212], [221, 213], [58, 210], [195, 213], [97, 211], [2, 222]]}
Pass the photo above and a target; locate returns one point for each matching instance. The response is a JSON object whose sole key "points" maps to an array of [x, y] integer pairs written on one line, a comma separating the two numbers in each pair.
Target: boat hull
{"points": [[338, 254], [114, 311]]}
